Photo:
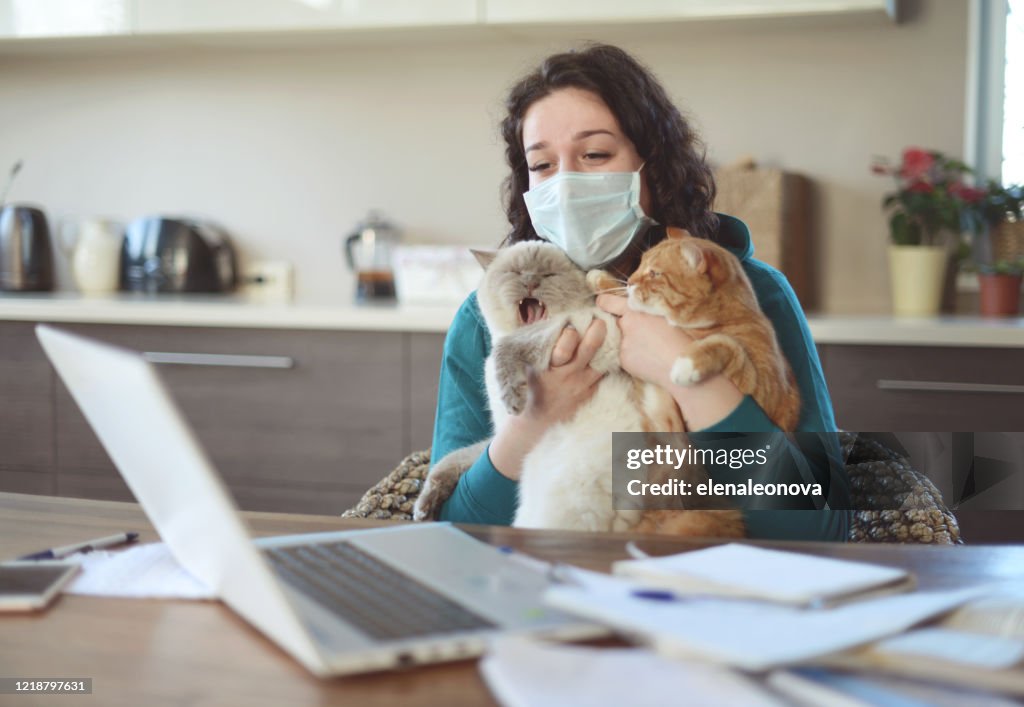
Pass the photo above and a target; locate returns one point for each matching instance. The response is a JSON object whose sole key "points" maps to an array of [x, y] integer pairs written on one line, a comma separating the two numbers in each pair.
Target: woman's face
{"points": [[572, 130]]}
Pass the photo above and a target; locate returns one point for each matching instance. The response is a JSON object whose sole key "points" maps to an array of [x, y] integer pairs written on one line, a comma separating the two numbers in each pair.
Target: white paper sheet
{"points": [[756, 572], [525, 673], [971, 649], [140, 571], [750, 635]]}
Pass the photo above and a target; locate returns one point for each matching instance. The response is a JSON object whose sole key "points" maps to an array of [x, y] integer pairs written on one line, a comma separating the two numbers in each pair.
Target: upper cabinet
{"points": [[65, 18], [540, 11], [170, 16], [26, 19]]}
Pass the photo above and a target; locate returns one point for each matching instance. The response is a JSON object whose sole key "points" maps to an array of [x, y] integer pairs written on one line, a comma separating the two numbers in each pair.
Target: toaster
{"points": [[177, 255]]}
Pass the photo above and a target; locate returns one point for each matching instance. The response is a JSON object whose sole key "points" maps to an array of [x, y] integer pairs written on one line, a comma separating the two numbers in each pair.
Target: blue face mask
{"points": [[592, 216]]}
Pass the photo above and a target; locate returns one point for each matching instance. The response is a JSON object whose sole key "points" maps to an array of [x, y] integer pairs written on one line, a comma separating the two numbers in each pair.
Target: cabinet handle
{"points": [[230, 360], [949, 386]]}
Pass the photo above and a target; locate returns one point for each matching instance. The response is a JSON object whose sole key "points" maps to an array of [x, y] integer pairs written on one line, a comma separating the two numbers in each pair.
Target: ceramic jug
{"points": [[93, 247]]}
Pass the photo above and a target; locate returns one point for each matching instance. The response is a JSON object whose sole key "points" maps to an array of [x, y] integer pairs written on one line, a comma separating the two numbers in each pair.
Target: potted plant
{"points": [[927, 212], [998, 248]]}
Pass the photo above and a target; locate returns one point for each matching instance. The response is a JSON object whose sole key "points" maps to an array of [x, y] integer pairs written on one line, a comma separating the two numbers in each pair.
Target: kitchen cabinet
{"points": [[923, 388], [56, 19], [541, 11], [172, 16], [27, 461], [885, 388], [331, 415], [65, 18]]}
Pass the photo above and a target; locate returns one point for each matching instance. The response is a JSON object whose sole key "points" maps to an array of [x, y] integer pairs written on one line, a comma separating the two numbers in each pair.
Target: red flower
{"points": [[916, 163], [966, 193], [921, 187]]}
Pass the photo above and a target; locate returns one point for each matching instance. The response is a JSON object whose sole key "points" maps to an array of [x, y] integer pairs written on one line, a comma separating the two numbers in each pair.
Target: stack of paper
{"points": [[525, 673], [744, 571]]}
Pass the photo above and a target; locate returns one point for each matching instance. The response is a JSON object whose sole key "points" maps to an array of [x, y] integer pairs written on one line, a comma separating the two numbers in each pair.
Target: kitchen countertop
{"points": [[235, 311], [221, 311]]}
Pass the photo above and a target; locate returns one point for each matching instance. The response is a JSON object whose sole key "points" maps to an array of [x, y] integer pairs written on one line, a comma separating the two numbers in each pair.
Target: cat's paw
{"points": [[684, 372], [601, 280], [513, 396], [428, 503]]}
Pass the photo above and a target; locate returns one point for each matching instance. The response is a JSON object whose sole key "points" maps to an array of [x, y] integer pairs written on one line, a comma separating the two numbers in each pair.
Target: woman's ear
{"points": [[484, 257]]}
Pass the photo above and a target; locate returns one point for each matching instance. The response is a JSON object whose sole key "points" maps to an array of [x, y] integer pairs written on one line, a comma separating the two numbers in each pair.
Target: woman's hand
{"points": [[650, 345], [555, 396]]}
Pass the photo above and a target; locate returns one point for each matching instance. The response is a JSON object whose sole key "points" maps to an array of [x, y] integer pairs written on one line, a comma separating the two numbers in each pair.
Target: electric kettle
{"points": [[26, 255], [370, 252]]}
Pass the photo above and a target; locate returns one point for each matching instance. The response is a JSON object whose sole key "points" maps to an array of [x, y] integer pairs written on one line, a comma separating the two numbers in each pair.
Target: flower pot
{"points": [[917, 272], [1000, 295]]}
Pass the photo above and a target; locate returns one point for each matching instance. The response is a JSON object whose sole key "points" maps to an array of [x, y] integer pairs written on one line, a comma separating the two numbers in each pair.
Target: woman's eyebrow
{"points": [[582, 135]]}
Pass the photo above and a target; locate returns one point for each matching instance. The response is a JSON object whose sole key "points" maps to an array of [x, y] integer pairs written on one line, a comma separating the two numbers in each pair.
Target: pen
{"points": [[57, 553]]}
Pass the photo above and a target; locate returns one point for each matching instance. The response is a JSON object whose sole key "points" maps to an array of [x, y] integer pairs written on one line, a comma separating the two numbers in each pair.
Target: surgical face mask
{"points": [[592, 216]]}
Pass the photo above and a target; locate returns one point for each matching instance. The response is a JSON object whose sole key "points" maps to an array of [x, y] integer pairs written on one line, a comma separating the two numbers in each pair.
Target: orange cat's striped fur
{"points": [[699, 286]]}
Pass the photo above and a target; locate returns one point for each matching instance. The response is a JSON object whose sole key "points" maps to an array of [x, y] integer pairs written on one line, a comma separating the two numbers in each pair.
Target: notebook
{"points": [[747, 572]]}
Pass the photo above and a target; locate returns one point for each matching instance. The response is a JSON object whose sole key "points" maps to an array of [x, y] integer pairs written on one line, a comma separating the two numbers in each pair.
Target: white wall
{"points": [[288, 147]]}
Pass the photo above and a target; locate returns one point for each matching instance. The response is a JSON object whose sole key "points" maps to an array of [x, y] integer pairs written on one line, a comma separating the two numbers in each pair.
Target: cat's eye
{"points": [[654, 273]]}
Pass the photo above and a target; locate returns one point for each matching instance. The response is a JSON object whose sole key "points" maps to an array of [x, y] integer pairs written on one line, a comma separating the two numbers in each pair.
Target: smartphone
{"points": [[27, 586]]}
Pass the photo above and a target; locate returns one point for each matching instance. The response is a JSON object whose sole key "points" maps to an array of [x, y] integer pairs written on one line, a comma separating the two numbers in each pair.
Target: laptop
{"points": [[339, 602]]}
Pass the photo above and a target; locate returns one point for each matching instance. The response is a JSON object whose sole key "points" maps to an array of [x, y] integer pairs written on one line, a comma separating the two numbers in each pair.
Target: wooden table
{"points": [[150, 652]]}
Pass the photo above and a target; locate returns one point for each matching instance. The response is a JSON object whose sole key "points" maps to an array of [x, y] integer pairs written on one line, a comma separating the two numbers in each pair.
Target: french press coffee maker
{"points": [[370, 251]]}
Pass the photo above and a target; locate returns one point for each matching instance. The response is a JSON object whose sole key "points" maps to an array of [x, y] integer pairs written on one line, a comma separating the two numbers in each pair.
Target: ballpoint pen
{"points": [[57, 553]]}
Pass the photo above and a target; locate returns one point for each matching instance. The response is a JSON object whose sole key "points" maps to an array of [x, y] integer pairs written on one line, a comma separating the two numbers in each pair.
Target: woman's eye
{"points": [[596, 156], [539, 167]]}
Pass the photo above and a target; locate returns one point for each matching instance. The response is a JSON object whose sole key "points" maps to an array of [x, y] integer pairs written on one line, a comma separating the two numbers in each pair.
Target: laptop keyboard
{"points": [[379, 600]]}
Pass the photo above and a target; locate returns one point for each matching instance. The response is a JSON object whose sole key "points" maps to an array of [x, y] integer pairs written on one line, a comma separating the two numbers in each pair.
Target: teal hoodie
{"points": [[484, 495]]}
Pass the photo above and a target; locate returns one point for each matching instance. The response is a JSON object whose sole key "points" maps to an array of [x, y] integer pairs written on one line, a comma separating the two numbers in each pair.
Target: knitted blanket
{"points": [[879, 478]]}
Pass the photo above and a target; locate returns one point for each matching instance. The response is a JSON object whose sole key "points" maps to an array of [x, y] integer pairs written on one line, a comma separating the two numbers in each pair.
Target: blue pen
{"points": [[654, 594], [57, 553]]}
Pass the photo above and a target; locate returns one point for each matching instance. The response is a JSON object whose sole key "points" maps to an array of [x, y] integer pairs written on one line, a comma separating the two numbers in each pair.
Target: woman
{"points": [[598, 111]]}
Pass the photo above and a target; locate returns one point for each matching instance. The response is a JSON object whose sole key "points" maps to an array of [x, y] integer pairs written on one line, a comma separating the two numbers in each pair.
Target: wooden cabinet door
{"points": [[425, 352], [183, 16], [64, 18], [926, 388], [26, 412], [308, 438]]}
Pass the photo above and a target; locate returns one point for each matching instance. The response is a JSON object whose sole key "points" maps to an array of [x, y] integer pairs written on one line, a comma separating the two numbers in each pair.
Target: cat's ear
{"points": [[484, 257], [677, 233], [694, 255]]}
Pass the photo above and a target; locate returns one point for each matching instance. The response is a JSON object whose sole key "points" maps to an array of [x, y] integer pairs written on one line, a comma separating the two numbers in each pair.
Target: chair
{"points": [[879, 479]]}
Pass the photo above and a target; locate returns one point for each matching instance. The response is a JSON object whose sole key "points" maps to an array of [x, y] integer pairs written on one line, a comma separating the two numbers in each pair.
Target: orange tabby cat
{"points": [[700, 287]]}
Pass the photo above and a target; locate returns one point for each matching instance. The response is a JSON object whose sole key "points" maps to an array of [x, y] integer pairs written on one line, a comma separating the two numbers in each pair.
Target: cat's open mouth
{"points": [[531, 310]]}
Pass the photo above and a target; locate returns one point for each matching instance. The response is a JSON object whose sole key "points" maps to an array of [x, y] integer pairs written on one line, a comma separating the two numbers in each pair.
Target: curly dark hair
{"points": [[681, 183]]}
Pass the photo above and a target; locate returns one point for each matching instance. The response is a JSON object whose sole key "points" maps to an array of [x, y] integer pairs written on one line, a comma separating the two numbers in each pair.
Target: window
{"points": [[1013, 96], [994, 121]]}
